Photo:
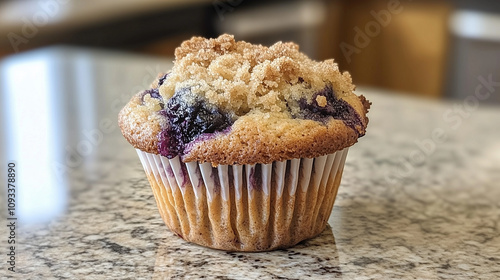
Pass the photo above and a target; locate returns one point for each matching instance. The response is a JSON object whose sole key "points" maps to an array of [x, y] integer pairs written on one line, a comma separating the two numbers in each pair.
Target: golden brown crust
{"points": [[366, 107], [138, 126], [254, 84], [250, 142]]}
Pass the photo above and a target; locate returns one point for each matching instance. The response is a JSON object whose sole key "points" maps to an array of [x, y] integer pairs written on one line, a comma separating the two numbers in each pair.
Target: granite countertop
{"points": [[407, 208]]}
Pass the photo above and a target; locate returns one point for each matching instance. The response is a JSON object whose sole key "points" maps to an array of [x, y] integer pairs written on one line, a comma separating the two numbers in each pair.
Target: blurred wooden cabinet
{"points": [[399, 45]]}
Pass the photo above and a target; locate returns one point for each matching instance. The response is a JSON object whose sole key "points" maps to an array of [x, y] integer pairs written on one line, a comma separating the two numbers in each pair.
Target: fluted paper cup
{"points": [[257, 207]]}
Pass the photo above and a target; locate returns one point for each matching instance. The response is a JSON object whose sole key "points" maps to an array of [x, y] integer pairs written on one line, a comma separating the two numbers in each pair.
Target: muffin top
{"points": [[229, 102]]}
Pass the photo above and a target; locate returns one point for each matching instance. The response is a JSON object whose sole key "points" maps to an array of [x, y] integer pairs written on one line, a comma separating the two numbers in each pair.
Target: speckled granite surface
{"points": [[437, 218]]}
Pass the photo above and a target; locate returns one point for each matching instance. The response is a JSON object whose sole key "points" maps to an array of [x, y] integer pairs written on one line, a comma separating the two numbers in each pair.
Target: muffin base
{"points": [[258, 207]]}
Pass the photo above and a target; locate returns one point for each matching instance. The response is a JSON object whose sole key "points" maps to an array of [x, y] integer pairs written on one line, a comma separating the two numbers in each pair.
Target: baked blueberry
{"points": [[333, 108], [162, 79], [188, 116], [154, 93]]}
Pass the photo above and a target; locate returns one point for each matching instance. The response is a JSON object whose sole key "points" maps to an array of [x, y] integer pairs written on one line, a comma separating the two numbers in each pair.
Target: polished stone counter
{"points": [[408, 208]]}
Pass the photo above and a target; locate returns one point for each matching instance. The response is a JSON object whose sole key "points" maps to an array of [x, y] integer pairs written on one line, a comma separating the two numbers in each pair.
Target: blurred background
{"points": [[67, 66], [428, 48]]}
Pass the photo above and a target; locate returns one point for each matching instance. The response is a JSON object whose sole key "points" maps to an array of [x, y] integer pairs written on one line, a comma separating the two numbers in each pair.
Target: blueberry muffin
{"points": [[244, 145]]}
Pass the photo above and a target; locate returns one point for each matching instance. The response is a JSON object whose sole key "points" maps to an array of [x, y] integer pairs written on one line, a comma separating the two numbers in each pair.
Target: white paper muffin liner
{"points": [[245, 207]]}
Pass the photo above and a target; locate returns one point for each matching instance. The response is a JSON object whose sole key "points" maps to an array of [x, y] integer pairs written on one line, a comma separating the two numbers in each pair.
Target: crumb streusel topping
{"points": [[229, 102]]}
